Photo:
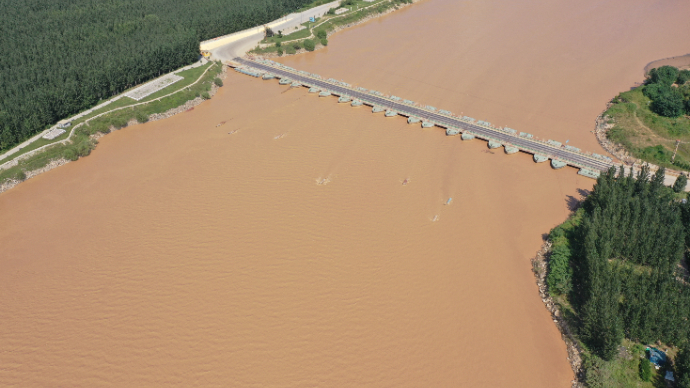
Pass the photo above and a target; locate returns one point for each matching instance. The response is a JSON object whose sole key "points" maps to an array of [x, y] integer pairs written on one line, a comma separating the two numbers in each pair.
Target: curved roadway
{"points": [[574, 159]]}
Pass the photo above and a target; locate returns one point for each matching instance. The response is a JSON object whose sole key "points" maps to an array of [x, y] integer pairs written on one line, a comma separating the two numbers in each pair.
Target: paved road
{"points": [[237, 44], [574, 159]]}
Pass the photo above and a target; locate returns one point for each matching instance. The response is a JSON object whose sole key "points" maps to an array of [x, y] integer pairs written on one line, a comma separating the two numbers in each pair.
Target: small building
{"points": [[64, 123]]}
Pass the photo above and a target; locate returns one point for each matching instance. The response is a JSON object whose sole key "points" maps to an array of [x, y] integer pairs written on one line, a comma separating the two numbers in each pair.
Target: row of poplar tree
{"points": [[619, 263], [60, 57]]}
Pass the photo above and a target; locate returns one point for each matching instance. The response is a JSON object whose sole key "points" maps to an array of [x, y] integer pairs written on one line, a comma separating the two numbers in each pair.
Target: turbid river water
{"points": [[291, 253]]}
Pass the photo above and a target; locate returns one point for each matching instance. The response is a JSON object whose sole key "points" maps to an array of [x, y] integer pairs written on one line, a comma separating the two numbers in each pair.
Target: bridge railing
{"points": [[554, 146]]}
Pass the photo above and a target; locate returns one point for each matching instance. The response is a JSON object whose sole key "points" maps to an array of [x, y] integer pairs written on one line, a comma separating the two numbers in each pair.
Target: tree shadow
{"points": [[583, 193], [572, 202], [659, 380]]}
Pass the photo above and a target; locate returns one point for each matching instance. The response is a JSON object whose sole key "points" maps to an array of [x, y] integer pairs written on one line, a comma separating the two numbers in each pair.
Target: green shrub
{"points": [[218, 82], [142, 117], [290, 50], [280, 52], [70, 154], [645, 369], [205, 96], [20, 175], [324, 42], [309, 45], [118, 122], [321, 34], [278, 44], [84, 148], [296, 45]]}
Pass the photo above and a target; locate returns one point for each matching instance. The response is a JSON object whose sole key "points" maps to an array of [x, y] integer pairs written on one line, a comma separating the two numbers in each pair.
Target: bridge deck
{"points": [[372, 98]]}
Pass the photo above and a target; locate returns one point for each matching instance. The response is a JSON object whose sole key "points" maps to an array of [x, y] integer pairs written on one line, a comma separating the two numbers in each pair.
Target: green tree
{"points": [[683, 77], [654, 91], [682, 364], [680, 183], [324, 42], [645, 369], [669, 104], [218, 82], [321, 34], [665, 75], [309, 45]]}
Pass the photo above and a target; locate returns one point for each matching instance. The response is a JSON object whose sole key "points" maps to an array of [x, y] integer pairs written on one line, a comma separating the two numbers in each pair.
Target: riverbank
{"points": [[330, 25], [631, 129], [575, 351], [88, 128], [647, 311]]}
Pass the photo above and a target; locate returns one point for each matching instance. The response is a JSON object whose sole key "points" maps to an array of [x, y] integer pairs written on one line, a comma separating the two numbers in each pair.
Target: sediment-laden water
{"points": [[295, 245]]}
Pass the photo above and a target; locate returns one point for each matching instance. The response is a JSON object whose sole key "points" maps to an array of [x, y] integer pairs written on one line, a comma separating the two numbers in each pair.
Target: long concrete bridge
{"points": [[590, 164]]}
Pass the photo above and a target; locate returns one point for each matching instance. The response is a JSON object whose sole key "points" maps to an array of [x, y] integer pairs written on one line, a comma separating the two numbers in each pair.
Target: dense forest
{"points": [[619, 261], [60, 57]]}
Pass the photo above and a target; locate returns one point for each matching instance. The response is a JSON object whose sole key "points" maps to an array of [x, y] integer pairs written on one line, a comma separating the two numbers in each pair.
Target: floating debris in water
{"points": [[449, 201], [323, 181], [234, 131], [435, 218], [282, 135], [405, 182]]}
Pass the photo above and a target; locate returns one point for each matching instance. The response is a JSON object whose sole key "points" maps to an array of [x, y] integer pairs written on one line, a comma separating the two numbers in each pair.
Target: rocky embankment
{"points": [[539, 267], [602, 126], [8, 184]]}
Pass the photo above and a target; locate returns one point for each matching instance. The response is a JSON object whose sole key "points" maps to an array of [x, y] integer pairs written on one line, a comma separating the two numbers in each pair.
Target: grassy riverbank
{"points": [[646, 134], [318, 31], [614, 270], [83, 139]]}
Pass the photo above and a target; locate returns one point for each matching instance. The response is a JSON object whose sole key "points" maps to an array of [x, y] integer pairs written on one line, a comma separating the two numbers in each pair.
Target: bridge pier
{"points": [[540, 158], [590, 164]]}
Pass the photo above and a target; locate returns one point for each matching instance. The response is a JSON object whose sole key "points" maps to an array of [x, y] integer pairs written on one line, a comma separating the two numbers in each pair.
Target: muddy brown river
{"points": [[309, 244]]}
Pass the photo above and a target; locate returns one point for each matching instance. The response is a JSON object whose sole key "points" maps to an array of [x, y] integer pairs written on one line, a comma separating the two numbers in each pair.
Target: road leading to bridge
{"points": [[590, 164]]}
